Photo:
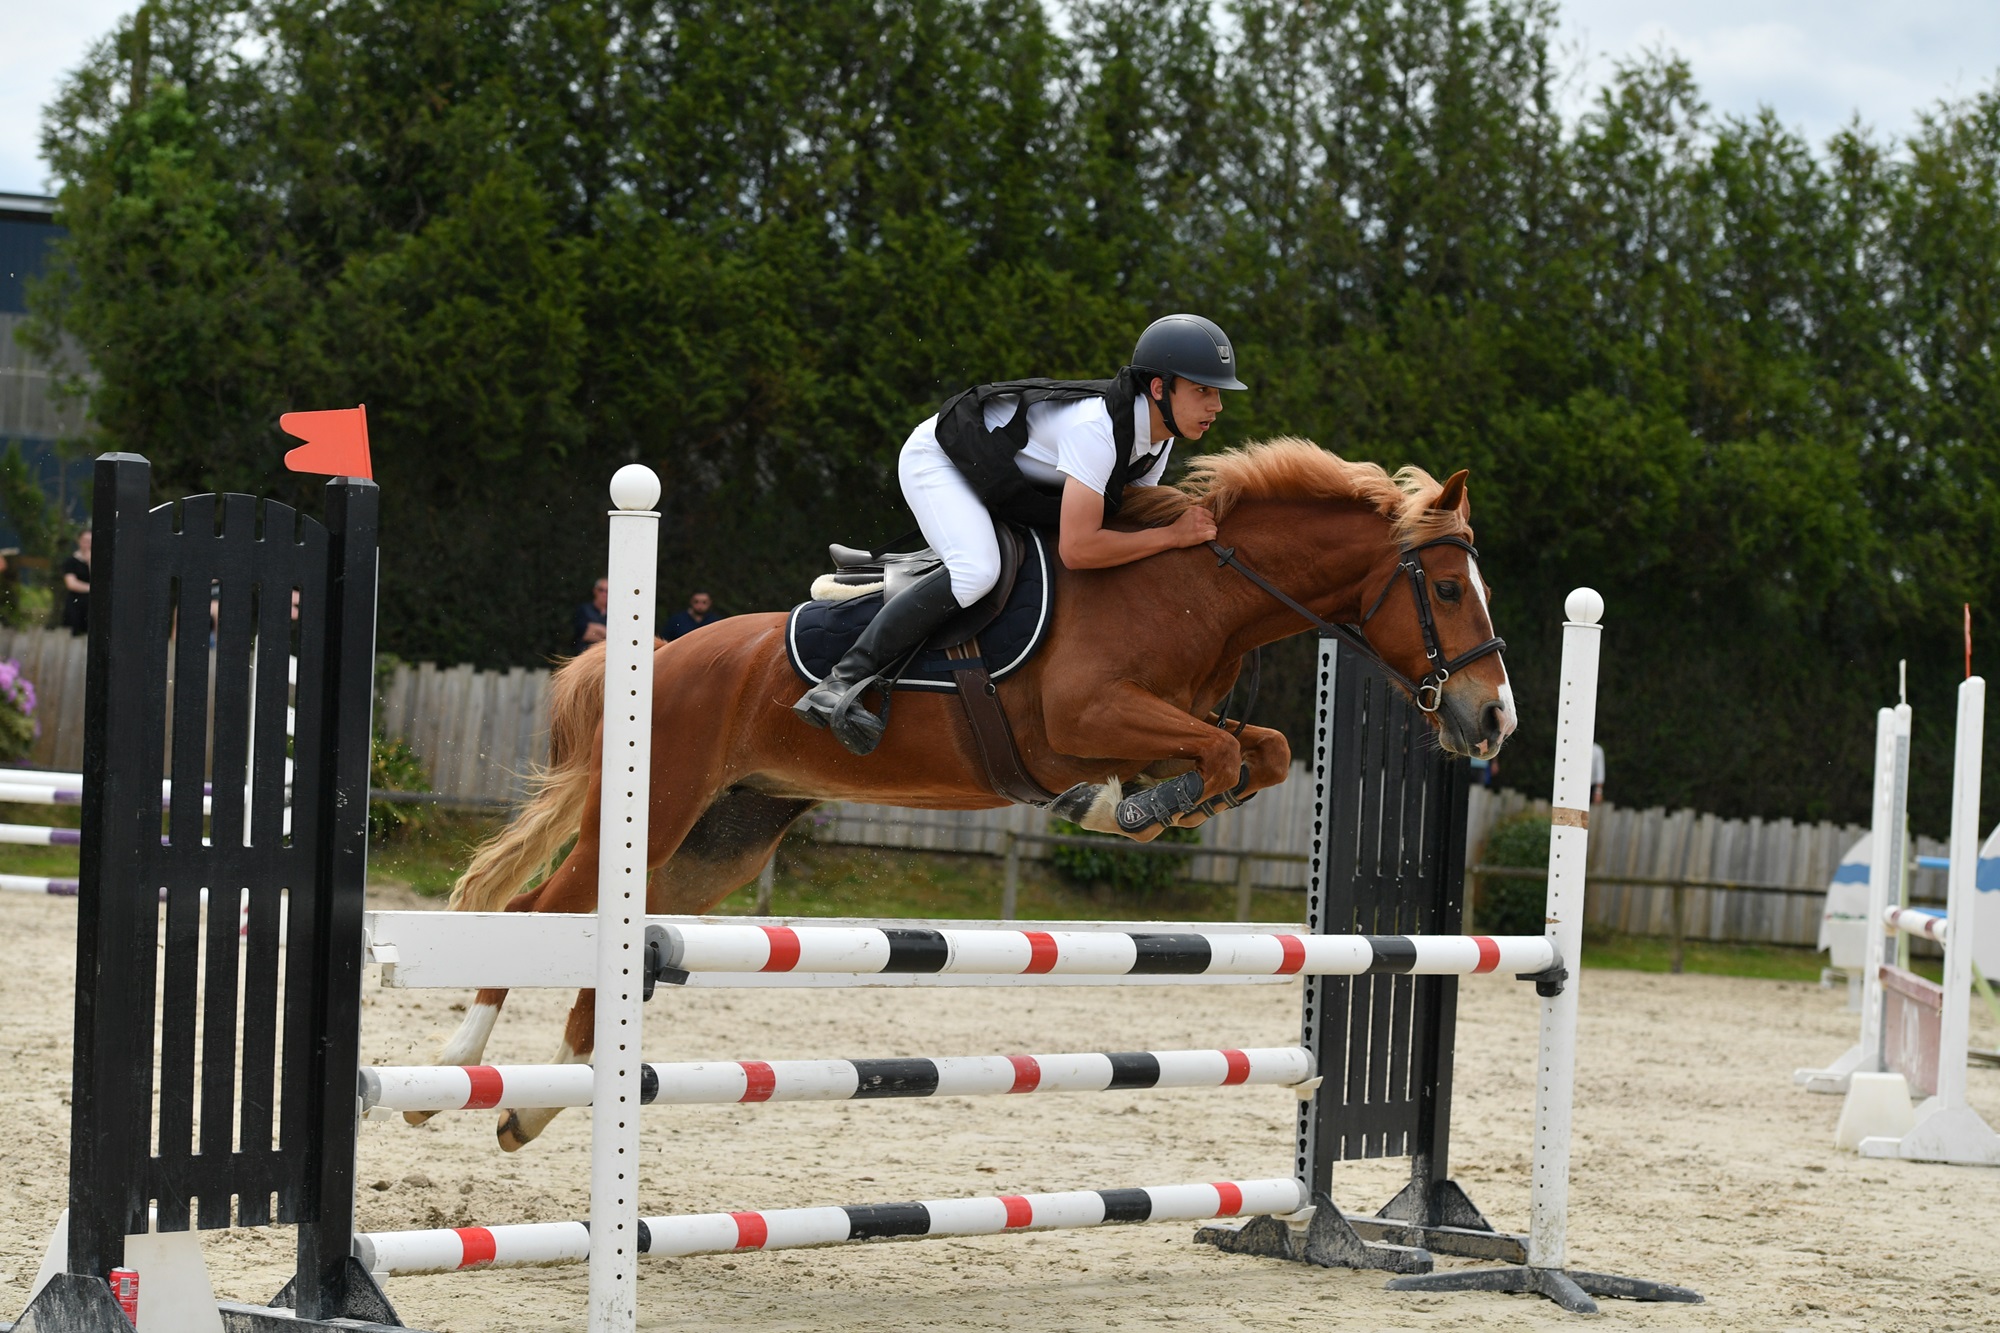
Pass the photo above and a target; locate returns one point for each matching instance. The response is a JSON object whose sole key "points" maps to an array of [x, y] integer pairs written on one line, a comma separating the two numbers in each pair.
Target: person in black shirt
{"points": [[76, 586], [700, 611], [589, 621]]}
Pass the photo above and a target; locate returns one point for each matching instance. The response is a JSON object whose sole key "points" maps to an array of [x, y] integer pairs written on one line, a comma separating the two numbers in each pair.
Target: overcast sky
{"points": [[1817, 62]]}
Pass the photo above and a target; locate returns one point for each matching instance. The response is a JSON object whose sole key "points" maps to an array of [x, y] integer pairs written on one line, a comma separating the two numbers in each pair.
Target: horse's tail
{"points": [[501, 867]]}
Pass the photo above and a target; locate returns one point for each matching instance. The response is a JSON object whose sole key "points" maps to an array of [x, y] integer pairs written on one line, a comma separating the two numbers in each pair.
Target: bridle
{"points": [[1429, 691]]}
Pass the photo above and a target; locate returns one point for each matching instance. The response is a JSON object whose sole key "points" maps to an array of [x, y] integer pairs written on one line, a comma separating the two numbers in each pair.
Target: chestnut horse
{"points": [[1138, 659]]}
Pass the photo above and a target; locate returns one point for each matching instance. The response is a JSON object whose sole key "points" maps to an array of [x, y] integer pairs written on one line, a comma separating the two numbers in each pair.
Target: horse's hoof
{"points": [[1075, 803], [512, 1136], [417, 1117]]}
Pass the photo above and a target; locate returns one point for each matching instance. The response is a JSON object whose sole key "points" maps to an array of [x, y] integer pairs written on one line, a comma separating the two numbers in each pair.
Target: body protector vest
{"points": [[986, 457]]}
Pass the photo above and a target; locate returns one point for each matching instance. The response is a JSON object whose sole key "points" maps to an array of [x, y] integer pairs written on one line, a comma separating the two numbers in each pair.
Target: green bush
{"points": [[1126, 871], [394, 766], [1509, 906]]}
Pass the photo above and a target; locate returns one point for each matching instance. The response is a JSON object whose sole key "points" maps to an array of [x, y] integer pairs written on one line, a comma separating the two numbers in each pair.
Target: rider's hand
{"points": [[1195, 526]]}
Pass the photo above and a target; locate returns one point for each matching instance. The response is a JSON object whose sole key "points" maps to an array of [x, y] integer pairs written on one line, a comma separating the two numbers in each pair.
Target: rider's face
{"points": [[1196, 407]]}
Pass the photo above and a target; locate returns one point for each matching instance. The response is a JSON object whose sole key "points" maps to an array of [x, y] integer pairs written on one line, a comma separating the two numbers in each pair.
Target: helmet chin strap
{"points": [[1165, 402]]}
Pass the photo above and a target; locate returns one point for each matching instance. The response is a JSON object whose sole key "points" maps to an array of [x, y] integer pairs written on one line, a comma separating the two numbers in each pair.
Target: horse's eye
{"points": [[1447, 590]]}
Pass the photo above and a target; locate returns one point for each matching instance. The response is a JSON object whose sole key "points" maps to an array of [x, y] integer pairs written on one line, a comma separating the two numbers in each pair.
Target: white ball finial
{"points": [[635, 486], [1584, 606]]}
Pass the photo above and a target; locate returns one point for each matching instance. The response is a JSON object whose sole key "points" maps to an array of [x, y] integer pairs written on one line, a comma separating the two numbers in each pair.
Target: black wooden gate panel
{"points": [[236, 594], [1387, 858]]}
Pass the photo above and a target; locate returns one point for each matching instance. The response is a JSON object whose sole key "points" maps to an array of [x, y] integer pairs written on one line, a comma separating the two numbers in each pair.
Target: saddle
{"points": [[861, 573], [858, 572]]}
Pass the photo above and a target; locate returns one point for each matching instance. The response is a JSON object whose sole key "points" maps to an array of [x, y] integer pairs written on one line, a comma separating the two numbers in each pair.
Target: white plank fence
{"points": [[479, 733]]}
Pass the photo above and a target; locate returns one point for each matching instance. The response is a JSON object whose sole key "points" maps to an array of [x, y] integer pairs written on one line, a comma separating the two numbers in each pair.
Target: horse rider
{"points": [[1049, 454]]}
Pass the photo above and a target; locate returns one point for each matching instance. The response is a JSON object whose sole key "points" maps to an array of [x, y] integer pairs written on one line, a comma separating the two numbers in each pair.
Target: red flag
{"points": [[336, 442]]}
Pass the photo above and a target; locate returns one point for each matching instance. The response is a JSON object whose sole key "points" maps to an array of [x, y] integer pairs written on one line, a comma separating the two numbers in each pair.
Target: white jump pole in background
{"points": [[1555, 1088], [1886, 851], [1947, 1129], [631, 571]]}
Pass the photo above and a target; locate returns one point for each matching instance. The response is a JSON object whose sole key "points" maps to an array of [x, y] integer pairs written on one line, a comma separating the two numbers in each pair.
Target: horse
{"points": [[1127, 688]]}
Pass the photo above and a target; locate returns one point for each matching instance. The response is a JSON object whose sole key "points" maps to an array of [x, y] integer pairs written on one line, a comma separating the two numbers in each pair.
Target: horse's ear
{"points": [[1452, 496]]}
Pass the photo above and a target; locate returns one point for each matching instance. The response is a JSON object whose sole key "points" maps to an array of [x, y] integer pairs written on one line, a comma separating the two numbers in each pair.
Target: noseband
{"points": [[1429, 691]]}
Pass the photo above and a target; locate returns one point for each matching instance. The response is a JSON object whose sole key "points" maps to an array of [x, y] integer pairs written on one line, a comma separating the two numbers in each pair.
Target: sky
{"points": [[1816, 62]]}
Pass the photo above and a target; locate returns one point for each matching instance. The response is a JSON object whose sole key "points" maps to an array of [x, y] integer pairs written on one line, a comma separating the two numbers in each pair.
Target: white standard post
{"points": [[1948, 1130], [632, 572], [1885, 873], [1883, 868], [1961, 892], [1569, 845]]}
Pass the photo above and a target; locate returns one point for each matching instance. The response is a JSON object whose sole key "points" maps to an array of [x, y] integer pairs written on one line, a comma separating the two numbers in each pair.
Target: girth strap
{"points": [[992, 737]]}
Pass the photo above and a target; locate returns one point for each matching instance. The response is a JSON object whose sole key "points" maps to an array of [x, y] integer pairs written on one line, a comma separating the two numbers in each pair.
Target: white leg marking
{"points": [[518, 1128], [1102, 817], [469, 1042], [1509, 719]]}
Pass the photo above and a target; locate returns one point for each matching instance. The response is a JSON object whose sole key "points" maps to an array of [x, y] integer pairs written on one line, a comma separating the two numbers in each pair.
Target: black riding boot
{"points": [[909, 618]]}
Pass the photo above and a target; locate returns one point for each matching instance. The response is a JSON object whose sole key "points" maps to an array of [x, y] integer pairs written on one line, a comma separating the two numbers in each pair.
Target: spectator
{"points": [[76, 586], [10, 586], [589, 623], [1596, 774], [700, 610]]}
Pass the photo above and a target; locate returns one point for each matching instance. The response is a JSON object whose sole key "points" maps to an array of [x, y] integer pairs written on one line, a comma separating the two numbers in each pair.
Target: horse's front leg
{"points": [[1124, 721], [1267, 761]]}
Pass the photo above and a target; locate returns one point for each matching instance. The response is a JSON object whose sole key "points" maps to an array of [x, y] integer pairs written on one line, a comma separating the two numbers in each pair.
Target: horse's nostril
{"points": [[1493, 721]]}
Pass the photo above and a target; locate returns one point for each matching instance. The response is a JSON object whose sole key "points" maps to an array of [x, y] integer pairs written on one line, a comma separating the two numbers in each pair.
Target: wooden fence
{"points": [[479, 733], [1684, 847]]}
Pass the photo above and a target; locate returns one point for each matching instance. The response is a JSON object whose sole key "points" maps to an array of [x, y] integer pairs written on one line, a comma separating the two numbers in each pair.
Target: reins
{"points": [[1428, 692]]}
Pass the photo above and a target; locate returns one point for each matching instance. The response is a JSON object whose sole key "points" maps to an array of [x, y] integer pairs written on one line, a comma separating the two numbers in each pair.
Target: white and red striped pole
{"points": [[708, 947], [388, 1253], [1921, 924], [631, 571], [1569, 847], [726, 1082]]}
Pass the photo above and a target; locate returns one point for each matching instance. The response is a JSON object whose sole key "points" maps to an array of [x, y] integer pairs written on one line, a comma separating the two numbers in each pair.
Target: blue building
{"points": [[28, 414]]}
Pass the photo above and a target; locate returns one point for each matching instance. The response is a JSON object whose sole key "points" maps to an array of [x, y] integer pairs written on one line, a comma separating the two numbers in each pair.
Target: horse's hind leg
{"points": [[517, 1129], [469, 1042], [725, 849]]}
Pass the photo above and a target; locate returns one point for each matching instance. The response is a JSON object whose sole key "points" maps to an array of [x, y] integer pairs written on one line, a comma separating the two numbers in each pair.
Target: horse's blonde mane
{"points": [[1293, 469]]}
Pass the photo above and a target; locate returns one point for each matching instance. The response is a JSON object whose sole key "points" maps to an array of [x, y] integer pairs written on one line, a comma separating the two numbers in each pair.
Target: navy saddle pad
{"points": [[818, 633]]}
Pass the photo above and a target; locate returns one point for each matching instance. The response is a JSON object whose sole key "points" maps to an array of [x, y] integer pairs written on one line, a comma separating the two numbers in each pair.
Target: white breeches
{"points": [[954, 522]]}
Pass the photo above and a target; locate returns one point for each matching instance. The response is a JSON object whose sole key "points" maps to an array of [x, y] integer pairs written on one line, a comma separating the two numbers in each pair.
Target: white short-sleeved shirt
{"points": [[1073, 439]]}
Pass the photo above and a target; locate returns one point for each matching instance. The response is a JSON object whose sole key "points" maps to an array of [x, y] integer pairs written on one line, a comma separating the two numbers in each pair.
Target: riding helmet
{"points": [[1190, 347]]}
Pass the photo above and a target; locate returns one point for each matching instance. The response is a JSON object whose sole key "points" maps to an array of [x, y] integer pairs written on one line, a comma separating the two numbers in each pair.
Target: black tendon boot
{"points": [[909, 618]]}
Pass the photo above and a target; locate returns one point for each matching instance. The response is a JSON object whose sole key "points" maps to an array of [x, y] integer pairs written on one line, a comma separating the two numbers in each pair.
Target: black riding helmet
{"points": [[1184, 347]]}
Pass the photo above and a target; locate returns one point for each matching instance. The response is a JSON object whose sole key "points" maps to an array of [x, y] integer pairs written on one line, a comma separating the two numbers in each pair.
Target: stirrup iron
{"points": [[858, 730]]}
